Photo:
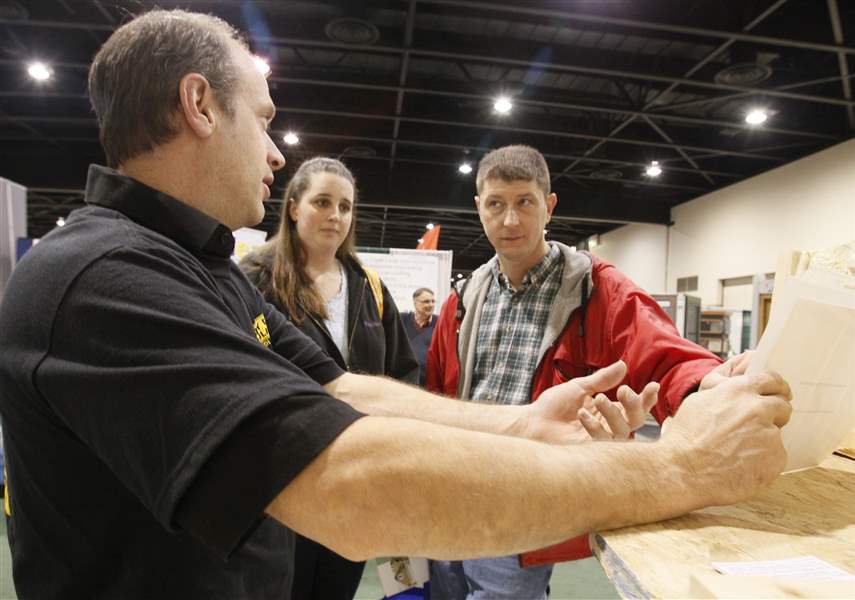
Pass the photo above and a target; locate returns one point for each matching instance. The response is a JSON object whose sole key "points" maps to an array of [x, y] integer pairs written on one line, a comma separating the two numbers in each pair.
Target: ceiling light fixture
{"points": [[60, 222], [429, 226], [465, 168], [291, 138], [756, 116], [39, 71], [262, 65], [502, 105], [654, 170]]}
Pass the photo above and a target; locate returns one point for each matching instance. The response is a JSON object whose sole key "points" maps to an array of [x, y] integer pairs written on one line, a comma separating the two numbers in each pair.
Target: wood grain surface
{"points": [[806, 513]]}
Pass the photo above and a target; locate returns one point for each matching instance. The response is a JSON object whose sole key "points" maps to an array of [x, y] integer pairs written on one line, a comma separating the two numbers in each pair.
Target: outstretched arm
{"points": [[555, 417], [413, 488]]}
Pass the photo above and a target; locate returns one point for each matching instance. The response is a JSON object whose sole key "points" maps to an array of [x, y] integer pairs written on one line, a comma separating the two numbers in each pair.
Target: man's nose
{"points": [[274, 157], [511, 217]]}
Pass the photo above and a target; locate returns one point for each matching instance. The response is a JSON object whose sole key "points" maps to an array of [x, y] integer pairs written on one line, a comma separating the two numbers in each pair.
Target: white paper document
{"points": [[810, 341], [805, 567]]}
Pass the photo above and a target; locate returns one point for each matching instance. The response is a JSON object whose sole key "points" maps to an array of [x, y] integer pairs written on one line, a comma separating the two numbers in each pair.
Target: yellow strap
{"points": [[376, 288], [6, 506]]}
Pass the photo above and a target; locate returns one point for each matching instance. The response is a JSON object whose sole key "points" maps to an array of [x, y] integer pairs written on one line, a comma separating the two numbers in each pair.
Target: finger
{"points": [[649, 397], [740, 362], [769, 383], [780, 409], [594, 428], [614, 415], [632, 406], [604, 379]]}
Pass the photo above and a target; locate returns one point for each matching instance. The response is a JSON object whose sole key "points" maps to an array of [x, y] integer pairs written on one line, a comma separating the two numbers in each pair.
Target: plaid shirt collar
{"points": [[535, 276]]}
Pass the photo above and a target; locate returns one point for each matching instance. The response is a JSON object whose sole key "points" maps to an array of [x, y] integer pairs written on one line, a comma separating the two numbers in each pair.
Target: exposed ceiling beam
{"points": [[637, 24], [402, 89], [544, 104], [493, 59], [725, 98], [90, 121], [842, 59], [526, 130], [402, 77], [753, 23], [436, 145]]}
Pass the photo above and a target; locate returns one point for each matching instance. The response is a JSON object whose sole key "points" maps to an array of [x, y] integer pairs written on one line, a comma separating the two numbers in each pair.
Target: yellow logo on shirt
{"points": [[261, 331]]}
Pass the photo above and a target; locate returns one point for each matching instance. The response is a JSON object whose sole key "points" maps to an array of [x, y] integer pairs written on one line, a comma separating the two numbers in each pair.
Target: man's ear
{"points": [[551, 201], [197, 105], [477, 202]]}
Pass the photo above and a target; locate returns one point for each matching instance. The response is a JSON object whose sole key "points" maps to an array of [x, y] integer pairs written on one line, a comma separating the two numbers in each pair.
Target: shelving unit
{"points": [[715, 332]]}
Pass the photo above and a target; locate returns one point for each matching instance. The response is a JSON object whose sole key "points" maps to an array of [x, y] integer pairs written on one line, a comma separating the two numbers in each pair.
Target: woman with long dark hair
{"points": [[309, 270]]}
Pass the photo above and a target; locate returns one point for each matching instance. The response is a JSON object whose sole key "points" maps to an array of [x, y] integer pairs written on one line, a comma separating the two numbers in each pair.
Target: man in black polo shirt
{"points": [[165, 427]]}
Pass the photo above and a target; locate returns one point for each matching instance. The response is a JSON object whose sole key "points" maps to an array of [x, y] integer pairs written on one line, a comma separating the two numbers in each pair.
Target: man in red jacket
{"points": [[536, 315]]}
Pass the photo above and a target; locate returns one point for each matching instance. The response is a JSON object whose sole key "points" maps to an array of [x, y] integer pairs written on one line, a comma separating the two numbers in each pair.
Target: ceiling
{"points": [[403, 92]]}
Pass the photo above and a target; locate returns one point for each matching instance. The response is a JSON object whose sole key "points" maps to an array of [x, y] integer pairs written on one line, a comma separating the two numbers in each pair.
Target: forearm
{"points": [[383, 397], [410, 488]]}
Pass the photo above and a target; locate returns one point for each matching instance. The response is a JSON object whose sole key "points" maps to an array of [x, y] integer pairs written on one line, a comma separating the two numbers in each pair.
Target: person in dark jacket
{"points": [[419, 326], [309, 271]]}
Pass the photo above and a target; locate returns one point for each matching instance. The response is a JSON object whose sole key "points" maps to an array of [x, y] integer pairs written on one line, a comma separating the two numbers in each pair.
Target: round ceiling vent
{"points": [[349, 30], [743, 74], [359, 151], [606, 174]]}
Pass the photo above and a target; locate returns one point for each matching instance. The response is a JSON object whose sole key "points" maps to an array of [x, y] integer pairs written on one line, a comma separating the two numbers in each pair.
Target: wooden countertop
{"points": [[809, 512]]}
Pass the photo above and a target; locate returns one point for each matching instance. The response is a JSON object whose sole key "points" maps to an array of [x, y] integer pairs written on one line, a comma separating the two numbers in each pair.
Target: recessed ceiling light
{"points": [[654, 170], [429, 226], [291, 138], [60, 222], [502, 105], [756, 117], [262, 65], [39, 71], [465, 168]]}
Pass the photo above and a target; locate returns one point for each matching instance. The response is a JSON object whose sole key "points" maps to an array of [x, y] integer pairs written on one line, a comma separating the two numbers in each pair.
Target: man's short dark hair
{"points": [[514, 163], [420, 291], [133, 81]]}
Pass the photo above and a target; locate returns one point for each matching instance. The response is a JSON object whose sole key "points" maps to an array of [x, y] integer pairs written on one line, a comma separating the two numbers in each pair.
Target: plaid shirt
{"points": [[511, 330]]}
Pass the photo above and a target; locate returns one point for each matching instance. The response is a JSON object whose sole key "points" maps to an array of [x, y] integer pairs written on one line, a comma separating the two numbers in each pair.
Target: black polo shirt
{"points": [[152, 406]]}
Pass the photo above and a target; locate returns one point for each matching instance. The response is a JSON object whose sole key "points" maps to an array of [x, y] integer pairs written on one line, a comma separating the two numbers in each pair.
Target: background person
{"points": [[419, 325], [309, 271]]}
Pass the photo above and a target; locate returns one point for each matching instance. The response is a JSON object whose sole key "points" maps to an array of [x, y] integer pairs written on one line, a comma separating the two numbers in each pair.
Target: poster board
{"points": [[404, 271]]}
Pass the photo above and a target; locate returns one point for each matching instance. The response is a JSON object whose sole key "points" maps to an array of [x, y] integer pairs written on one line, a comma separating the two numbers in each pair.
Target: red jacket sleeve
{"points": [[442, 354], [639, 332]]}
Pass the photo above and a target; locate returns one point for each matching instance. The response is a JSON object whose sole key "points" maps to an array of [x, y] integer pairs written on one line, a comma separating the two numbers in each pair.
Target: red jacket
{"points": [[621, 321]]}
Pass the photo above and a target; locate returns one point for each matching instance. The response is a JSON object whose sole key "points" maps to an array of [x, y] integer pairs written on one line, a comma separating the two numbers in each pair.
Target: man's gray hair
{"points": [[134, 79], [422, 290]]}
